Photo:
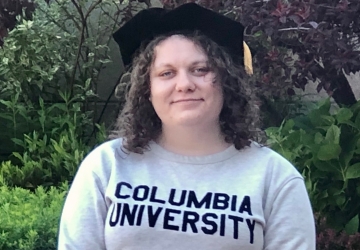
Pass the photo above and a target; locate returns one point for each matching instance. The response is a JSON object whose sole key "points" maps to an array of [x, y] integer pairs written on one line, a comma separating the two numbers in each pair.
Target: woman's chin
{"points": [[194, 120]]}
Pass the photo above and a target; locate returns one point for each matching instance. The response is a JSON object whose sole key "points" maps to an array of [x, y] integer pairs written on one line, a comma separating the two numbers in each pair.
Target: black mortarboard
{"points": [[152, 22]]}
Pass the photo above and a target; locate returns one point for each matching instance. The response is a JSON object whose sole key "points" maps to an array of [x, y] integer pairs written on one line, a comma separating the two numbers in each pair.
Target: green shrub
{"points": [[45, 161], [30, 220], [56, 57], [59, 48], [325, 147], [274, 110], [51, 153]]}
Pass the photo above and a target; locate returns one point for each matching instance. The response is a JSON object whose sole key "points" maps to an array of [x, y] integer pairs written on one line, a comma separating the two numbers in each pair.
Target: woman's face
{"points": [[183, 92]]}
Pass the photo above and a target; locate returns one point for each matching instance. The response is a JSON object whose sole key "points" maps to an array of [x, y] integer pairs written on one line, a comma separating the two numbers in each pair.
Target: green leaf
{"points": [[340, 200], [357, 121], [287, 154], [7, 117], [288, 125], [345, 157], [258, 34], [323, 194], [352, 226], [344, 114], [325, 166], [333, 134], [17, 155], [317, 118], [314, 117], [18, 142], [324, 105], [355, 107], [306, 138], [36, 68], [58, 148], [6, 103], [328, 152], [303, 122], [318, 138], [333, 190], [104, 61], [327, 120], [353, 171], [308, 184], [61, 106], [271, 131]]}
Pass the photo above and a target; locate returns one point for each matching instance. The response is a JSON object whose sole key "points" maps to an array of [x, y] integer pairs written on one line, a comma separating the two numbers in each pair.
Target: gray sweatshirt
{"points": [[252, 199]]}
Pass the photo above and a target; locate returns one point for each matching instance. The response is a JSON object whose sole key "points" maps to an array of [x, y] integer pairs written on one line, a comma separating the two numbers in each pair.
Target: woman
{"points": [[184, 172]]}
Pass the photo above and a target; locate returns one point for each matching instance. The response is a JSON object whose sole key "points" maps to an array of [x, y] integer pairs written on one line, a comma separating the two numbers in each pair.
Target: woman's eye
{"points": [[166, 73], [202, 70]]}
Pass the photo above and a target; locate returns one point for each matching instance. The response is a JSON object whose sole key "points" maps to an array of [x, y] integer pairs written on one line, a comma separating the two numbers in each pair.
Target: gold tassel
{"points": [[247, 59]]}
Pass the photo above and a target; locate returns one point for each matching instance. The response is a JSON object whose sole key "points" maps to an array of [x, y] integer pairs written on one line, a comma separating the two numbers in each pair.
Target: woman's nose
{"points": [[184, 82]]}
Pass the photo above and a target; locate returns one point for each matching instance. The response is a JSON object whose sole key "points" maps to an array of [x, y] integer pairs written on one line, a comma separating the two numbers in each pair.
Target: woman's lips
{"points": [[188, 100]]}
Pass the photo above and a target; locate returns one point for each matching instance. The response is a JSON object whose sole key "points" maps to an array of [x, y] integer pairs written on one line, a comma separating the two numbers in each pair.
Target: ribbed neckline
{"points": [[196, 160]]}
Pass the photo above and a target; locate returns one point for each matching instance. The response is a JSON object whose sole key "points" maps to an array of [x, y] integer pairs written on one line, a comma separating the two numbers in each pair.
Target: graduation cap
{"points": [[152, 22]]}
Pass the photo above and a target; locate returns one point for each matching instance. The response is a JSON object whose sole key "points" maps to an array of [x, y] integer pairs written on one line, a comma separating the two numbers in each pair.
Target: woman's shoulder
{"points": [[109, 145], [105, 148], [260, 151], [104, 154], [269, 161]]}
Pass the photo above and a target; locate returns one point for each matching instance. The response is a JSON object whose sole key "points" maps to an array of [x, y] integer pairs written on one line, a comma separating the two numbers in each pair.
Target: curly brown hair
{"points": [[138, 122]]}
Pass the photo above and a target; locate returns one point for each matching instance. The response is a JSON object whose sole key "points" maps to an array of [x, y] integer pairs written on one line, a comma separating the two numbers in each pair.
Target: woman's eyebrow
{"points": [[160, 65], [200, 62], [163, 65]]}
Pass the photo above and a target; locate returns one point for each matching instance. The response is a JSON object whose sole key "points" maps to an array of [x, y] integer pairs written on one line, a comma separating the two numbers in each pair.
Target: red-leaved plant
{"points": [[329, 239]]}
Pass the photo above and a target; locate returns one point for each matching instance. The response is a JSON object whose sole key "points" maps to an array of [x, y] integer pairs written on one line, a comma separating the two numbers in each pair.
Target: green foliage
{"points": [[30, 220], [49, 69], [62, 49], [274, 110], [57, 49], [52, 152], [325, 147], [31, 59]]}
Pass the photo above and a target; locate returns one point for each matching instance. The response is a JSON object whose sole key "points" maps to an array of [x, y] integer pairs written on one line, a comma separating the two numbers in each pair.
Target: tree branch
{"points": [[92, 7], [69, 15], [82, 38], [83, 20], [291, 29]]}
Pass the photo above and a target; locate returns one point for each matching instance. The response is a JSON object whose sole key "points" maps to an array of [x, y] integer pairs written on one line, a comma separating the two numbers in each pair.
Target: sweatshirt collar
{"points": [[196, 160]]}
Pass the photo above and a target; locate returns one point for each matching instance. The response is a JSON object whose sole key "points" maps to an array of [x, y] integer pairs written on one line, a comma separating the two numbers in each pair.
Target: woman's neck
{"points": [[192, 141]]}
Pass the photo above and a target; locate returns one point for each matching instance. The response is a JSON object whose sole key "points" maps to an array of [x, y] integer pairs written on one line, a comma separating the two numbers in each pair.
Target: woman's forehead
{"points": [[173, 39], [177, 47]]}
